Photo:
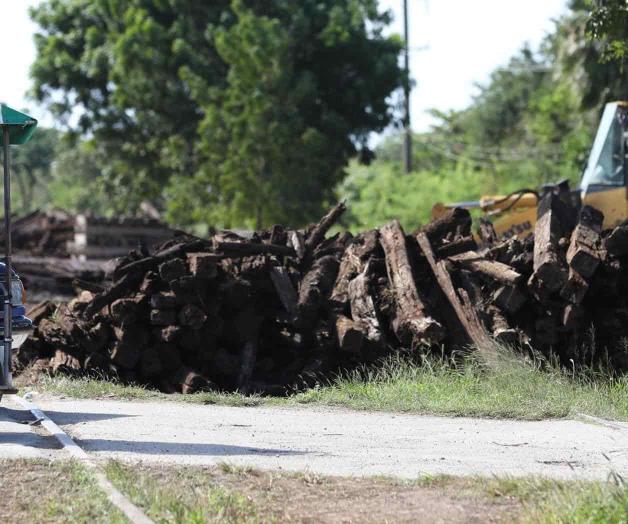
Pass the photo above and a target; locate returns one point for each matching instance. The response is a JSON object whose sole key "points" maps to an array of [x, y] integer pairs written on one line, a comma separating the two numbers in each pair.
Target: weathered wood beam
{"points": [[363, 310], [471, 324], [349, 334], [285, 290], [454, 221], [317, 235], [492, 269], [585, 251], [550, 268], [412, 323]]}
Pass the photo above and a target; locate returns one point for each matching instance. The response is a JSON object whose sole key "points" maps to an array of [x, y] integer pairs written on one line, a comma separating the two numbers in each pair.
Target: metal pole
{"points": [[8, 335], [407, 139]]}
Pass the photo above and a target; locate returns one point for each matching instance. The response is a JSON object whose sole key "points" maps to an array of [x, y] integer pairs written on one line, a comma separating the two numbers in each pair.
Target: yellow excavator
{"points": [[604, 183]]}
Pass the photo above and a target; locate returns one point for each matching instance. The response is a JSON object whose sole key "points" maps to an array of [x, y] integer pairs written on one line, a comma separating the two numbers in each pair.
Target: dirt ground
{"points": [[18, 480], [305, 498], [41, 491], [57, 492]]}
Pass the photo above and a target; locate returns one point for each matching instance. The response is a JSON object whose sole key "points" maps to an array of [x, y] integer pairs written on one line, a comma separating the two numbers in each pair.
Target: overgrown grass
{"points": [[181, 496], [583, 505], [507, 388], [511, 388]]}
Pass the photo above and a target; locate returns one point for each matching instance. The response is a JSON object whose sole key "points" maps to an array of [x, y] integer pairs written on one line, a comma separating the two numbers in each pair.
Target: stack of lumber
{"points": [[42, 233], [281, 308], [57, 275], [54, 248], [57, 233], [103, 238]]}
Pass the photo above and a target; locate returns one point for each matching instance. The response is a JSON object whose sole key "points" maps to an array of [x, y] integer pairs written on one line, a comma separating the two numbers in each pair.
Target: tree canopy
{"points": [[229, 112], [532, 123], [608, 24], [244, 112]]}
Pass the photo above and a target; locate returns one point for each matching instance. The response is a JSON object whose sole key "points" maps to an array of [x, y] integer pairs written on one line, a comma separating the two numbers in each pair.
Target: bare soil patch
{"points": [[307, 498]]}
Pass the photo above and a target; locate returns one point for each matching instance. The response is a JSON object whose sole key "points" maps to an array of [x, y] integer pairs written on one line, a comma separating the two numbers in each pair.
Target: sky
{"points": [[455, 44]]}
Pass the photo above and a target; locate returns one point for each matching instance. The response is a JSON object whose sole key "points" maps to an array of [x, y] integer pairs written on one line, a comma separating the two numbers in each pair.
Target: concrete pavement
{"points": [[322, 440]]}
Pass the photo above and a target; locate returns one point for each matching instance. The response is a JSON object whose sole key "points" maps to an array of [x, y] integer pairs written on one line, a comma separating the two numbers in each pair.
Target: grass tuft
{"points": [[554, 502], [582, 504]]}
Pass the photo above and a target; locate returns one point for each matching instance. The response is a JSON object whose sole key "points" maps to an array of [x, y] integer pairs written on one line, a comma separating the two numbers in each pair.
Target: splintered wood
{"points": [[278, 310]]}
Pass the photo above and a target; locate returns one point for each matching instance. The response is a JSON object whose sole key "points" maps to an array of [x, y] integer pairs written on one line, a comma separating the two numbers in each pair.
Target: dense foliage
{"points": [[532, 123], [243, 112], [609, 24], [229, 112]]}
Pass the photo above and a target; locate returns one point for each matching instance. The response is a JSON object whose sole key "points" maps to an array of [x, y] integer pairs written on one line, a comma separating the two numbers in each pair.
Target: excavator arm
{"points": [[513, 214]]}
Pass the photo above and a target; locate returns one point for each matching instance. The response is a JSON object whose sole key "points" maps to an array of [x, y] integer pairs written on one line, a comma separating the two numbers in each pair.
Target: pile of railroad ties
{"points": [[281, 309]]}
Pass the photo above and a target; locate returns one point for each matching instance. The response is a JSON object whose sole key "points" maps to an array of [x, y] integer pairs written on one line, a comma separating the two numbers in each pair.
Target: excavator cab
{"points": [[603, 183]]}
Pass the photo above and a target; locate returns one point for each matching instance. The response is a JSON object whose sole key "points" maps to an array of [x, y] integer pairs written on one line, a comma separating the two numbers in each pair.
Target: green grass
{"points": [[89, 388], [508, 388], [181, 496], [553, 502], [583, 504]]}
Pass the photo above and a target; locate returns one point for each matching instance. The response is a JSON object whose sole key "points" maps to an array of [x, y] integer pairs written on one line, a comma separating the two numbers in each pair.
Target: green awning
{"points": [[21, 126]]}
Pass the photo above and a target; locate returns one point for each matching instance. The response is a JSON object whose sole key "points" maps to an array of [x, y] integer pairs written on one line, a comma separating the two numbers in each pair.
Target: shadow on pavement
{"points": [[179, 448], [29, 439], [59, 417]]}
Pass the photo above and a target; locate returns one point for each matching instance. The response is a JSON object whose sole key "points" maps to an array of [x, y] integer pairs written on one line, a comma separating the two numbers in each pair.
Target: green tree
{"points": [[532, 123], [230, 112], [78, 182], [608, 23], [580, 61], [32, 168]]}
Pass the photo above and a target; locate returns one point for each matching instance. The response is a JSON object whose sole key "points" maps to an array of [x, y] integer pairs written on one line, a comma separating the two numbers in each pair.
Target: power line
{"points": [[489, 159]]}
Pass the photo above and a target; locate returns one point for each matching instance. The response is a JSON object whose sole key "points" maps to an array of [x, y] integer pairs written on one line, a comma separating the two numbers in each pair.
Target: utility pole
{"points": [[407, 138]]}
